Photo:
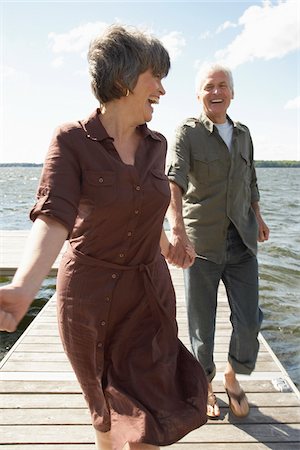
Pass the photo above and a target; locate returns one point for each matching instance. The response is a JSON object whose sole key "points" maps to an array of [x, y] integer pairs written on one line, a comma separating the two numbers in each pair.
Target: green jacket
{"points": [[218, 186]]}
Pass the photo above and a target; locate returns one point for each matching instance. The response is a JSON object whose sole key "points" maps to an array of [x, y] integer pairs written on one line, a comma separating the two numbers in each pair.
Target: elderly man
{"points": [[214, 207]]}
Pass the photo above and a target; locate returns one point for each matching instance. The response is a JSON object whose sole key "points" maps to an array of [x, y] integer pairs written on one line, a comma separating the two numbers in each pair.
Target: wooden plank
{"points": [[12, 245], [38, 356], [52, 400], [244, 433], [46, 416], [71, 415], [38, 347], [20, 354], [38, 386]]}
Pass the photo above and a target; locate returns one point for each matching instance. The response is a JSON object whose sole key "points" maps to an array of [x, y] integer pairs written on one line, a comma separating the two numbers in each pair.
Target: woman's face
{"points": [[147, 92]]}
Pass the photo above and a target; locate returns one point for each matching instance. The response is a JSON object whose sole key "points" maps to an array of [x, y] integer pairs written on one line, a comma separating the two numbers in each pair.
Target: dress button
{"points": [[100, 180], [121, 255], [107, 299], [114, 275], [129, 233], [103, 323], [138, 188], [99, 345], [136, 211]]}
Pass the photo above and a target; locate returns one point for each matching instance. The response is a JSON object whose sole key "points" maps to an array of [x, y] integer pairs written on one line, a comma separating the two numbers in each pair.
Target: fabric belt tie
{"points": [[164, 329]]}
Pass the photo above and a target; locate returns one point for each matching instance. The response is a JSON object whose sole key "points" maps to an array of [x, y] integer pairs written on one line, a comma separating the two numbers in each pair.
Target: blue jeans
{"points": [[239, 273]]}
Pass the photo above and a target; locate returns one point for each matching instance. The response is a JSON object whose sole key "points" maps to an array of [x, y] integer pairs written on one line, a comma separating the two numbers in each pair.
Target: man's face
{"points": [[215, 96]]}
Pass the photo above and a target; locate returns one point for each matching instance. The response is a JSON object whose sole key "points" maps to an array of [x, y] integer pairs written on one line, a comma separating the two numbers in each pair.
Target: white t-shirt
{"points": [[225, 131]]}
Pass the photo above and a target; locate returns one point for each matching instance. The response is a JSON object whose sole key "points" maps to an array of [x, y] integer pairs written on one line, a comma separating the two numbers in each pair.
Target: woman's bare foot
{"points": [[213, 410]]}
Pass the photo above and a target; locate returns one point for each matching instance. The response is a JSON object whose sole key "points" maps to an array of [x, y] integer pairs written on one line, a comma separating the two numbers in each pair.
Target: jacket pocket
{"points": [[208, 170]]}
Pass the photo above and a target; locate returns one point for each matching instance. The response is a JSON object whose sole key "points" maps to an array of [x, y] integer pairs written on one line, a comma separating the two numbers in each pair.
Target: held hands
{"points": [[181, 252], [14, 303]]}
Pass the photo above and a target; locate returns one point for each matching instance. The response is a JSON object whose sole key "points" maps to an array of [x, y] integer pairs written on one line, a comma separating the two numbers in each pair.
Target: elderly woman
{"points": [[104, 189]]}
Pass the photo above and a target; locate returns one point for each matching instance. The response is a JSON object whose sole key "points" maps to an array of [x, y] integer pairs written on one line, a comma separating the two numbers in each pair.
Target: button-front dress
{"points": [[116, 302]]}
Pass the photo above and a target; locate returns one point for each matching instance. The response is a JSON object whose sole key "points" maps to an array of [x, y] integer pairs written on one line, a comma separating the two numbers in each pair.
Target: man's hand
{"points": [[181, 252], [263, 230]]}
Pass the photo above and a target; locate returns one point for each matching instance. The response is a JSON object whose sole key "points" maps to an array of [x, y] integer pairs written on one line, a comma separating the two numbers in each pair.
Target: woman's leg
{"points": [[103, 441]]}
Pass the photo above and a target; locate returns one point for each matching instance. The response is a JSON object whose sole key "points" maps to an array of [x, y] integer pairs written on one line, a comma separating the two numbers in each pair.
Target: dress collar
{"points": [[96, 132]]}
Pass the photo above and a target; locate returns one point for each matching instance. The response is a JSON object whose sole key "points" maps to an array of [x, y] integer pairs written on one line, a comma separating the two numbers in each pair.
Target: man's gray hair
{"points": [[208, 69], [117, 58]]}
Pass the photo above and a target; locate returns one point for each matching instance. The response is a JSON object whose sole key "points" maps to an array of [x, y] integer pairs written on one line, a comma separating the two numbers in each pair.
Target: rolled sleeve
{"points": [[179, 159], [59, 188]]}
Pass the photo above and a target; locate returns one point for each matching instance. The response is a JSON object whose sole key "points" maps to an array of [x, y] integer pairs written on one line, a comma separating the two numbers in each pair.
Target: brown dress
{"points": [[116, 302]]}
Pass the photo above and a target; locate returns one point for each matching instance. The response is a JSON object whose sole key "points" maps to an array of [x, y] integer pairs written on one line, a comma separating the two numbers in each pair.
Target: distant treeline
{"points": [[20, 165], [259, 163], [262, 163]]}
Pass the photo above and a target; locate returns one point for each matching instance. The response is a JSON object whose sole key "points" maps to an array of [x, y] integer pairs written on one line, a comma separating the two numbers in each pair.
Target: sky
{"points": [[45, 81]]}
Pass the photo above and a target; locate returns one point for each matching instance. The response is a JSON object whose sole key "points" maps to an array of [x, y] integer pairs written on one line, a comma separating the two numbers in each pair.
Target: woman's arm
{"points": [[44, 243]]}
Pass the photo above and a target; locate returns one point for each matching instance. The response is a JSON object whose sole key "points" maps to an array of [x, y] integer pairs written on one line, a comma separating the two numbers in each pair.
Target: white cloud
{"points": [[174, 43], [269, 31], [293, 104], [225, 26], [76, 40]]}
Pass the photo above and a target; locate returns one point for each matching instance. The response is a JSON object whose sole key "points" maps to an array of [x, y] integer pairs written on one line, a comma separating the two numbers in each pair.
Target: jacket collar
{"points": [[209, 125]]}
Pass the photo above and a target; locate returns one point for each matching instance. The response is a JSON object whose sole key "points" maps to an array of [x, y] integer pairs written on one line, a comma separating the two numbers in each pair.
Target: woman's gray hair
{"points": [[117, 58], [208, 69]]}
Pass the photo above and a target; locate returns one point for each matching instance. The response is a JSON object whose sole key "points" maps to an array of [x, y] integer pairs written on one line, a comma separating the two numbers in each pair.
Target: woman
{"points": [[104, 189]]}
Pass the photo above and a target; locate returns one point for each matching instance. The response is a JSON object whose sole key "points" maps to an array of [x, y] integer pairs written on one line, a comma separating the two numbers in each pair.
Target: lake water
{"points": [[279, 258]]}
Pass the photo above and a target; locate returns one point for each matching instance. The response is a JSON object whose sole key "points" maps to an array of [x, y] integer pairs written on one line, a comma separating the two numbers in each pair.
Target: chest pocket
{"points": [[160, 182], [99, 187], [208, 169]]}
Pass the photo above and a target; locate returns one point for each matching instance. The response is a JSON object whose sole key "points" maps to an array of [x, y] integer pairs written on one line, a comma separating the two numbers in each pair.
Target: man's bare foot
{"points": [[213, 410]]}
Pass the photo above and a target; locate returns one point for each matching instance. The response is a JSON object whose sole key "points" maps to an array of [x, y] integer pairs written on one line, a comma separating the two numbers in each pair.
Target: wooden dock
{"points": [[42, 408]]}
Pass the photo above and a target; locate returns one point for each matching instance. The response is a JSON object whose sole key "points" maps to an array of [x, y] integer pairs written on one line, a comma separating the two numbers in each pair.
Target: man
{"points": [[214, 207]]}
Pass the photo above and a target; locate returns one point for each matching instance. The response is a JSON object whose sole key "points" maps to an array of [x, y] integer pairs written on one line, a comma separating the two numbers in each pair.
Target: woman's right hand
{"points": [[14, 303], [42, 247]]}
